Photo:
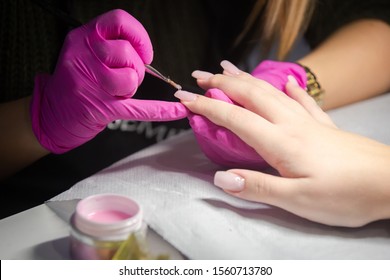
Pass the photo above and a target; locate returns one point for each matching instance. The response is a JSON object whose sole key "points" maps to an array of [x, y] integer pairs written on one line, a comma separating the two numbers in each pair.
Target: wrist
{"points": [[36, 110], [375, 181], [44, 122], [383, 183]]}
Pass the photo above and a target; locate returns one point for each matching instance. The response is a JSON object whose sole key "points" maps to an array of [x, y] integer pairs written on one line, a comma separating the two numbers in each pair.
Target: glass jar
{"points": [[101, 223]]}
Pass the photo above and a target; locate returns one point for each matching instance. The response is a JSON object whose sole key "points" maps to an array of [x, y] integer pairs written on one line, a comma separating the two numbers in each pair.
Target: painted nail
{"points": [[292, 80], [201, 75], [185, 95], [229, 181], [230, 67]]}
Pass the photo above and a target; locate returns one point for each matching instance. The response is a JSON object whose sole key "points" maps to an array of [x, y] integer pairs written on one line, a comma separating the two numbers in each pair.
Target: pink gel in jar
{"points": [[108, 216], [101, 223]]}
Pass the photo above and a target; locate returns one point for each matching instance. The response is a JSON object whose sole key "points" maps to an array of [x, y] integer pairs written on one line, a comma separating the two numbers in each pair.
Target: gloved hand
{"points": [[99, 69], [221, 145], [275, 73]]}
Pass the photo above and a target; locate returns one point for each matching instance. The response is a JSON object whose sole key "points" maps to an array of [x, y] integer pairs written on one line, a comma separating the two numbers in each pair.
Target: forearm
{"points": [[353, 64], [18, 144]]}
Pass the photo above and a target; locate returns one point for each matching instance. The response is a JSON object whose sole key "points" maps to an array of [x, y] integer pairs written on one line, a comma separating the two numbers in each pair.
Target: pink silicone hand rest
{"points": [[99, 69], [222, 146], [275, 73]]}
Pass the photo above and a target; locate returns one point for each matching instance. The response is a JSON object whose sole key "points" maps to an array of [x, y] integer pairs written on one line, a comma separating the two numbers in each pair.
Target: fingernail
{"points": [[230, 67], [292, 80], [201, 75], [185, 95], [229, 181]]}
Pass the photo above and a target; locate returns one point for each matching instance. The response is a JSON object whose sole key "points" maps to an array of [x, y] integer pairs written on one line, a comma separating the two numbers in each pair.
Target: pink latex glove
{"points": [[224, 147], [99, 69]]}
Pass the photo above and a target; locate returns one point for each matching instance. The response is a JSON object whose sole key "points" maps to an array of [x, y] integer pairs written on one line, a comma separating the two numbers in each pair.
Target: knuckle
{"points": [[246, 77], [252, 93], [234, 115], [264, 85], [118, 15], [261, 187], [72, 36]]}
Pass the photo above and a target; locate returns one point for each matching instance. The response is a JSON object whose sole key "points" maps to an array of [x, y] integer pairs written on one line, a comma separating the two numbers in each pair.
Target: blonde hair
{"points": [[283, 21]]}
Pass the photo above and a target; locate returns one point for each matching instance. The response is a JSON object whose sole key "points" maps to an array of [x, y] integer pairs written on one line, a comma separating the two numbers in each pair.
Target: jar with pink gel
{"points": [[101, 223]]}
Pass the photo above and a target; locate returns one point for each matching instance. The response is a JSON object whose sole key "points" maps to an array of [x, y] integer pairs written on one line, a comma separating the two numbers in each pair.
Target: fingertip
{"points": [[293, 89], [201, 75], [185, 96], [291, 79], [229, 181], [146, 53], [230, 68], [263, 187]]}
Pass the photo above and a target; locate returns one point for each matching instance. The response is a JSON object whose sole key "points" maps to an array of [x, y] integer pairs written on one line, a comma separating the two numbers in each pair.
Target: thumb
{"points": [[149, 110], [256, 186]]}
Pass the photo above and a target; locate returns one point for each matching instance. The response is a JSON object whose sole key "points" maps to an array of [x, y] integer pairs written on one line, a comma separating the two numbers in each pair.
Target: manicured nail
{"points": [[201, 75], [185, 95], [229, 181], [292, 80], [230, 67]]}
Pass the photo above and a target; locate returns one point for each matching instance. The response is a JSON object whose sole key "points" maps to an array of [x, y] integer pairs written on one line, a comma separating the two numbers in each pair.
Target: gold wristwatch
{"points": [[313, 87]]}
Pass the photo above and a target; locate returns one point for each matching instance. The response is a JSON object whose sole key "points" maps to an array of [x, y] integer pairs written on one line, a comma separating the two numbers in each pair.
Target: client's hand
{"points": [[99, 69], [215, 140], [327, 175]]}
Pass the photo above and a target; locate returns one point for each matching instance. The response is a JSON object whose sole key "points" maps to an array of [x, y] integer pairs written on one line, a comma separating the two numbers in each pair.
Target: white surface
{"points": [[172, 181], [39, 233], [34, 234], [370, 118]]}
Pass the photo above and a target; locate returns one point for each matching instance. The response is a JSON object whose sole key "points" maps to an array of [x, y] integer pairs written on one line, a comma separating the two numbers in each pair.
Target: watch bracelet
{"points": [[313, 87]]}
